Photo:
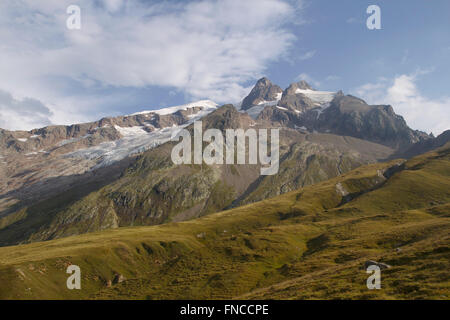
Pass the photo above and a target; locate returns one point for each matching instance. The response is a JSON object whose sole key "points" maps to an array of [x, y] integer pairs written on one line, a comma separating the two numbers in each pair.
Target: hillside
{"points": [[42, 163], [61, 181], [308, 243], [152, 190]]}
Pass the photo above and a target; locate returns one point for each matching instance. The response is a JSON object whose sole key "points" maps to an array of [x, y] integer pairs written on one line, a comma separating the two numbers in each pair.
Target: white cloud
{"points": [[307, 55], [206, 49], [113, 5], [420, 112], [19, 113], [332, 77], [373, 92], [317, 83], [405, 57]]}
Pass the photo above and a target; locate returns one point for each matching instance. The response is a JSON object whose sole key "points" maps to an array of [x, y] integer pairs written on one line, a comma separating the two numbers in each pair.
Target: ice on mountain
{"points": [[72, 140], [320, 97], [254, 111], [321, 109], [137, 140]]}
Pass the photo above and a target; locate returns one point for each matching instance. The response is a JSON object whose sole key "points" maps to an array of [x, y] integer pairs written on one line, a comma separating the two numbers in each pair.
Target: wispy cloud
{"points": [[315, 82], [405, 57], [332, 77], [26, 112], [306, 77], [307, 55]]}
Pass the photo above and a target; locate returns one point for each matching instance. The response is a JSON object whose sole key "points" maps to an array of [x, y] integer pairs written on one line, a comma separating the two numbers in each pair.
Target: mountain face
{"points": [[343, 115], [423, 146], [67, 180], [295, 99], [348, 115], [41, 163], [264, 91]]}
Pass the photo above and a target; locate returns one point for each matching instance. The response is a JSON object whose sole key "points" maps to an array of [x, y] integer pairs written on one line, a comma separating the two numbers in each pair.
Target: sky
{"points": [[130, 56]]}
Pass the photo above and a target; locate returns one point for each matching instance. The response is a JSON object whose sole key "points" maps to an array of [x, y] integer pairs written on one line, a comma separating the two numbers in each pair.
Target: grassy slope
{"points": [[305, 244], [153, 191]]}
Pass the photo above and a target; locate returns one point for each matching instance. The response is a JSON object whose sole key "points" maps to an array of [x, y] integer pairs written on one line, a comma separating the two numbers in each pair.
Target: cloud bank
{"points": [[27, 112], [205, 49]]}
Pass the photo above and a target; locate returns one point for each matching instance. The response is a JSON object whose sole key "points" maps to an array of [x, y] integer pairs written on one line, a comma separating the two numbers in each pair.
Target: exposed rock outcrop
{"points": [[264, 90]]}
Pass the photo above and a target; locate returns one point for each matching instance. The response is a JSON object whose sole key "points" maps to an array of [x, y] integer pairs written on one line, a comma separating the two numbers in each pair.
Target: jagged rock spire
{"points": [[264, 90]]}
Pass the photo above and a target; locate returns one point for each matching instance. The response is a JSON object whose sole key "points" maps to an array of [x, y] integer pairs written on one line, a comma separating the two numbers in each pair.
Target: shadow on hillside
{"points": [[51, 193]]}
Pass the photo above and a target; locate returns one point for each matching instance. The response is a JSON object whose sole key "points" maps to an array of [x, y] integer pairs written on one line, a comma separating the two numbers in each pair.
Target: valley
{"points": [[308, 243]]}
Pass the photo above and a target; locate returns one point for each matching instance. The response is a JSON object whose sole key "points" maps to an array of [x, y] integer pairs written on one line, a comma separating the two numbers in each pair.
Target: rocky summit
{"points": [[264, 91]]}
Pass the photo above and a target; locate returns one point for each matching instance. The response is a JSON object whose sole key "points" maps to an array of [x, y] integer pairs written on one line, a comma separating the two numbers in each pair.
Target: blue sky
{"points": [[415, 36], [134, 55]]}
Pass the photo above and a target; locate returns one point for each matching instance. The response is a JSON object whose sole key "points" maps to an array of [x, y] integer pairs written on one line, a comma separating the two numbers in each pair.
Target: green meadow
{"points": [[307, 244]]}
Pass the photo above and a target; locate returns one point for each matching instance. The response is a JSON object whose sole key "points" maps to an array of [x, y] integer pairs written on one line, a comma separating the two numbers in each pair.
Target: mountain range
{"points": [[355, 184], [66, 180]]}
